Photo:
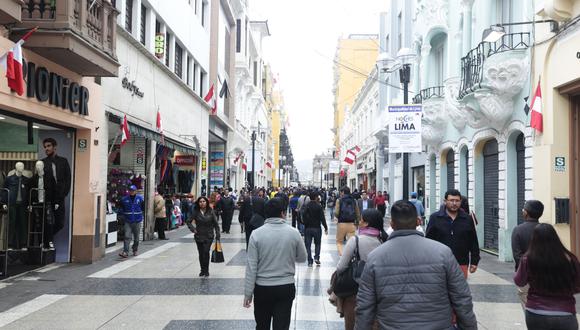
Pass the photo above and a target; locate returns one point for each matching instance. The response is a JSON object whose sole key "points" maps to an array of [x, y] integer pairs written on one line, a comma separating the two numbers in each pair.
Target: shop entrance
{"points": [[36, 180], [491, 195], [575, 173]]}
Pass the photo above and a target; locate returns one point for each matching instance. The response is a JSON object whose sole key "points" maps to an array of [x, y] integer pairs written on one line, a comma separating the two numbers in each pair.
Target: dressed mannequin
{"points": [[61, 172], [42, 189], [17, 201]]}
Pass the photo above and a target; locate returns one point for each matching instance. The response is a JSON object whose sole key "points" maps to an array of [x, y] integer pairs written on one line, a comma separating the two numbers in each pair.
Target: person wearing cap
{"points": [[132, 210], [418, 205]]}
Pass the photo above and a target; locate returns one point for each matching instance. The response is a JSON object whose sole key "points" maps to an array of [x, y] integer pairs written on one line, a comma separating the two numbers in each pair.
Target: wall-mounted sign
{"points": [[159, 45], [130, 86], [57, 90], [203, 164], [560, 164], [140, 155], [185, 160], [82, 145], [405, 128]]}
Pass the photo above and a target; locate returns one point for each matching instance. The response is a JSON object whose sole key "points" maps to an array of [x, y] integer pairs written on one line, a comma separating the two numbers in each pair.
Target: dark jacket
{"points": [[12, 182], [132, 208], [337, 211], [226, 205], [313, 216], [205, 225], [370, 205], [49, 188], [401, 268], [459, 235], [245, 213], [63, 175], [258, 213], [521, 237]]}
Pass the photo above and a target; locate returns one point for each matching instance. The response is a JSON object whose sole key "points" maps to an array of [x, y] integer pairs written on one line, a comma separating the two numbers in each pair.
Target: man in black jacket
{"points": [[522, 234], [456, 229], [61, 172], [226, 207], [313, 218]]}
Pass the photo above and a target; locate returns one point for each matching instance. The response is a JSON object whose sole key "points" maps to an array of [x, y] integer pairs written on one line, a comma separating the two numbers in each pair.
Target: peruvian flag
{"points": [[125, 131], [12, 63], [351, 155], [536, 120], [244, 166], [211, 99], [342, 172], [269, 164], [159, 127]]}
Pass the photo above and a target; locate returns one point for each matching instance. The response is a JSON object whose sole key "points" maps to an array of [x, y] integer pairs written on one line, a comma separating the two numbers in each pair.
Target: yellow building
{"points": [[277, 120], [355, 58], [556, 152]]}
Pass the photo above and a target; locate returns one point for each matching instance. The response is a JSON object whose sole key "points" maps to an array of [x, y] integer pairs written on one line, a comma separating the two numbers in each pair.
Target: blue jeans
{"points": [[316, 234], [132, 229]]}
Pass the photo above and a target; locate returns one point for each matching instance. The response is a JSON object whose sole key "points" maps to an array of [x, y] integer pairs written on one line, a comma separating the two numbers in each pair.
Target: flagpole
{"points": [[113, 145]]}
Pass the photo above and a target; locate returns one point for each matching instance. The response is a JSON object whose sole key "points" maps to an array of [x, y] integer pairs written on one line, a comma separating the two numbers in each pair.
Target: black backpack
{"points": [[347, 209]]}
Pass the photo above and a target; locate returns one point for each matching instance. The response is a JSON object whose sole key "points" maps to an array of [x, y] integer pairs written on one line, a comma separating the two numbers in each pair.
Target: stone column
{"points": [[466, 7]]}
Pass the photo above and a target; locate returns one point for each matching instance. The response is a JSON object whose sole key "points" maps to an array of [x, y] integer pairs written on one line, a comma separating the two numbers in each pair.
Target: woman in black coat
{"points": [[203, 223]]}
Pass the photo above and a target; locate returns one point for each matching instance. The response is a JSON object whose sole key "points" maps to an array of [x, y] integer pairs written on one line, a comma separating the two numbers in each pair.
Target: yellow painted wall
{"points": [[361, 56], [557, 64]]}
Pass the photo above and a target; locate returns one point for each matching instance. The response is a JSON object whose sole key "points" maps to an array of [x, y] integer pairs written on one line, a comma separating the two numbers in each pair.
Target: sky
{"points": [[301, 49]]}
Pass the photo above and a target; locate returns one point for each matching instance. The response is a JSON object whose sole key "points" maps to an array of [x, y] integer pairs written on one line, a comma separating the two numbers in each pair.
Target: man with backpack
{"points": [[302, 202], [347, 215], [313, 217]]}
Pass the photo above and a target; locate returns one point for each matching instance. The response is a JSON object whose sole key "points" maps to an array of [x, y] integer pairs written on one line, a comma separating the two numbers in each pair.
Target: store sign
{"points": [[130, 86], [140, 155], [203, 164], [560, 164], [334, 166], [185, 160], [159, 45], [405, 128], [56, 89]]}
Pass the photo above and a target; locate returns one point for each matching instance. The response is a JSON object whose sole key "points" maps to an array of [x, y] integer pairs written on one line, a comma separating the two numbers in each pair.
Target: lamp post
{"points": [[320, 168], [389, 64], [252, 186]]}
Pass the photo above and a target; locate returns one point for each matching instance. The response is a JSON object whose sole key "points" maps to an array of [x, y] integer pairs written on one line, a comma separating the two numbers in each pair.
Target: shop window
{"points": [[129, 15], [178, 61], [238, 35], [167, 43], [142, 32]]}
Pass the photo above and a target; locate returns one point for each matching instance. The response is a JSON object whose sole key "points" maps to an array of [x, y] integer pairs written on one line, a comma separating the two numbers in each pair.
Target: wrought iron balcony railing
{"points": [[472, 63], [427, 93]]}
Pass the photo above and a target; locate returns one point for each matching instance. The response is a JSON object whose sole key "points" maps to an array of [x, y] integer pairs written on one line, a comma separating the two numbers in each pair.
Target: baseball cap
{"points": [[413, 195], [133, 187]]}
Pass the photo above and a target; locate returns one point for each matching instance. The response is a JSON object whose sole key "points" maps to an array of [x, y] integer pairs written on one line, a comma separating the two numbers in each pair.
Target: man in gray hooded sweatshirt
{"points": [[273, 251]]}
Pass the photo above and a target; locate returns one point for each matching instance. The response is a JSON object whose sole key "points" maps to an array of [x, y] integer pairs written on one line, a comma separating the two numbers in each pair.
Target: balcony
{"points": [[472, 65], [427, 93], [10, 11], [80, 35]]}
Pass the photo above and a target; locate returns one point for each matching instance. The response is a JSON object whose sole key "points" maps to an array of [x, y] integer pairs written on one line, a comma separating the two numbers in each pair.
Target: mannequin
{"points": [[17, 183], [42, 194]]}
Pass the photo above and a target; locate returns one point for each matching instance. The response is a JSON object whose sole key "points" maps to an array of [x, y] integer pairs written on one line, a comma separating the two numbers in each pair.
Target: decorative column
{"points": [[466, 7], [425, 50]]}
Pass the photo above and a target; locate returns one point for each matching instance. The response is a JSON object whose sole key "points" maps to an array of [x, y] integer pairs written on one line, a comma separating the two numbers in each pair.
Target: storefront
{"points": [[50, 177]]}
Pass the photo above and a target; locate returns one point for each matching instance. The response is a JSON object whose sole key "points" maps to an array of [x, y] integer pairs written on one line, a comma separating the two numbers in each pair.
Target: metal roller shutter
{"points": [[521, 174], [491, 195]]}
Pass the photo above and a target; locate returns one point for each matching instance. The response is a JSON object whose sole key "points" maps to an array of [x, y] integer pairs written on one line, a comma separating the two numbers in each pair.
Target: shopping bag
{"points": [[217, 255]]}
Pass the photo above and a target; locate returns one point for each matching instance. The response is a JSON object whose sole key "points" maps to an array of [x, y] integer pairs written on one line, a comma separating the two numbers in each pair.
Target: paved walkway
{"points": [[160, 289]]}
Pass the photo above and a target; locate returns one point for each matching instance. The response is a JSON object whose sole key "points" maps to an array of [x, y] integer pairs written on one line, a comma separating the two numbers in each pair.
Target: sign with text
{"points": [[185, 160], [405, 128], [560, 164], [334, 166]]}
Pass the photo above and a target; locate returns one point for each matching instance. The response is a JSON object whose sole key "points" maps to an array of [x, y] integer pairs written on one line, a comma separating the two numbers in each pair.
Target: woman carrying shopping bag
{"points": [[203, 223]]}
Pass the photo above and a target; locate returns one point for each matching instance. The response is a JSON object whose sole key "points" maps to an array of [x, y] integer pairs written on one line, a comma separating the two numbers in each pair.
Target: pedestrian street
{"points": [[160, 289]]}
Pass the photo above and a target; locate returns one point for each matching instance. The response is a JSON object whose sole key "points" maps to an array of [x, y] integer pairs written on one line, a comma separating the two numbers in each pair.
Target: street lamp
{"points": [[388, 64], [320, 168]]}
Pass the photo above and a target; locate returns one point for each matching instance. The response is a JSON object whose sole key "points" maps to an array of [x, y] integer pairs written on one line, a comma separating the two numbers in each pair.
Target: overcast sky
{"points": [[301, 49]]}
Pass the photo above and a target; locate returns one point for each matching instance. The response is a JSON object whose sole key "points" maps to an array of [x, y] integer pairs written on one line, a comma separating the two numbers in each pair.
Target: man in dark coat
{"points": [[61, 172], [226, 206]]}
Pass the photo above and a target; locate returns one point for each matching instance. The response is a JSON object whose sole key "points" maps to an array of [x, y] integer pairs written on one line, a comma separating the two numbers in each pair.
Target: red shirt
{"points": [[380, 200]]}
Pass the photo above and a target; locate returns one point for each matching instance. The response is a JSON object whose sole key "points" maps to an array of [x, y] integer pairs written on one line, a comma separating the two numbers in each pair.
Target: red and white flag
{"points": [[125, 131], [159, 127], [12, 64], [211, 99], [351, 155], [269, 165], [238, 157], [244, 166], [537, 120]]}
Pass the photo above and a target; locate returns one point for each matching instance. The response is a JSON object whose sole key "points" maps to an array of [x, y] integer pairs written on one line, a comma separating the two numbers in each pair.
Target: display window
{"points": [[36, 180]]}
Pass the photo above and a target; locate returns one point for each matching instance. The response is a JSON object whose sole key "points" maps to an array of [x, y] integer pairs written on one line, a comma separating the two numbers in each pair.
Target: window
{"points": [[195, 69], [255, 73], [143, 24], [201, 82], [246, 38], [188, 74], [195, 6], [178, 61], [227, 50], [167, 42], [238, 35], [157, 26], [400, 36], [128, 15], [388, 44], [203, 6]]}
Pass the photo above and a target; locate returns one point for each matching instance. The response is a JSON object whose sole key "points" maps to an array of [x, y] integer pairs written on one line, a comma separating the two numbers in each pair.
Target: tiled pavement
{"points": [[160, 289]]}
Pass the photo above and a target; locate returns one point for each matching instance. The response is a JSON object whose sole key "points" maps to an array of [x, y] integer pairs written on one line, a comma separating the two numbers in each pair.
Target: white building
{"points": [[164, 51]]}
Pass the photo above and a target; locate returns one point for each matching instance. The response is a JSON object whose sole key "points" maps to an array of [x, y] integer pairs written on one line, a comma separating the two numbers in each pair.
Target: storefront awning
{"points": [[136, 130]]}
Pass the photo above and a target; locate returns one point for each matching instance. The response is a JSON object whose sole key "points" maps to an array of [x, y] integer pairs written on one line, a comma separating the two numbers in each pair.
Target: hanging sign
{"points": [[334, 166], [185, 160], [405, 128], [159, 45]]}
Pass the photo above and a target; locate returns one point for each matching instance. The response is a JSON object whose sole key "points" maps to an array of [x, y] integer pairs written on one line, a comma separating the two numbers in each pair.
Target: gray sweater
{"points": [[365, 245], [273, 251]]}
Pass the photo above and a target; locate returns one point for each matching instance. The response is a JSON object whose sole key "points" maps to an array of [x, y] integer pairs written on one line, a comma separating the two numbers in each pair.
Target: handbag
{"points": [[347, 281], [217, 255]]}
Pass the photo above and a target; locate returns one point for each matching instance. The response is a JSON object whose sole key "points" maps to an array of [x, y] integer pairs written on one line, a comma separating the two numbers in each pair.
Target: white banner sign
{"points": [[334, 166], [405, 128]]}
